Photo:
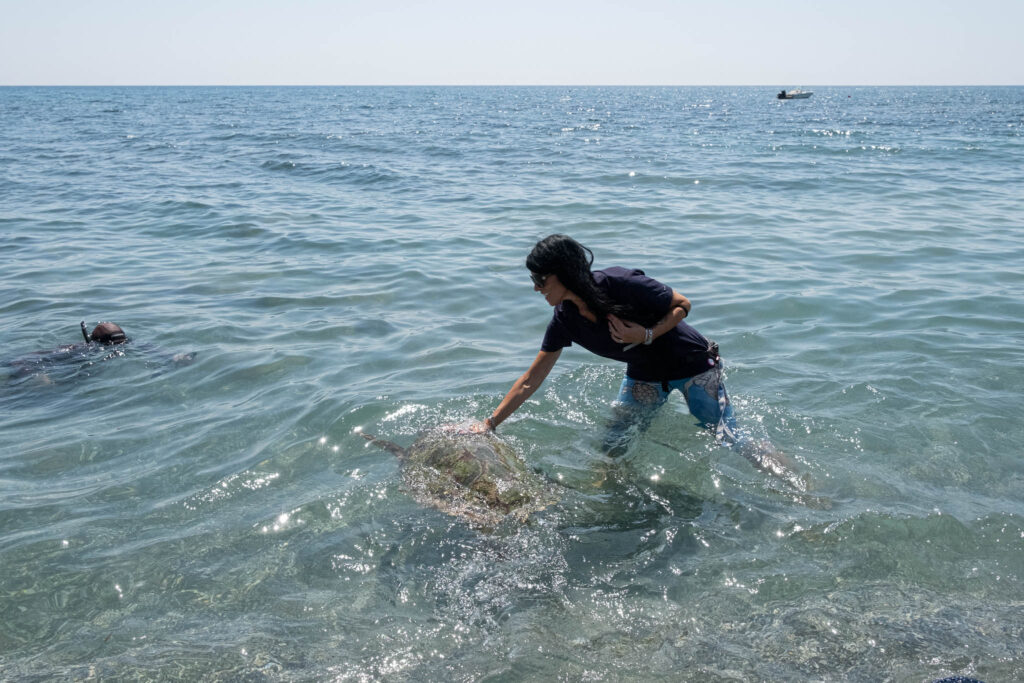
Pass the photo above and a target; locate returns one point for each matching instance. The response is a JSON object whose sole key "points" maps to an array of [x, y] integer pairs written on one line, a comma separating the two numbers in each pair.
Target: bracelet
{"points": [[650, 337]]}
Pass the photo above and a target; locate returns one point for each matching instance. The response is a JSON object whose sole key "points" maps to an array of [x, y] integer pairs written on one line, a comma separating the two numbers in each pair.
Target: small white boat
{"points": [[796, 94]]}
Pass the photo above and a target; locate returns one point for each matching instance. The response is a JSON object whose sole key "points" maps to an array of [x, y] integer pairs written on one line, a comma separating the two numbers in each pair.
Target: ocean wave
{"points": [[355, 174]]}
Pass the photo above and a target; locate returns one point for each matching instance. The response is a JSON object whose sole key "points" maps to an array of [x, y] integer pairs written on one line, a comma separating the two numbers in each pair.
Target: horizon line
{"points": [[502, 85]]}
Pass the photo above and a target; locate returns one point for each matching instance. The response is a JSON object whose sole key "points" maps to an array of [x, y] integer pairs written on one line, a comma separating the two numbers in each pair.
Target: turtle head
{"points": [[385, 444]]}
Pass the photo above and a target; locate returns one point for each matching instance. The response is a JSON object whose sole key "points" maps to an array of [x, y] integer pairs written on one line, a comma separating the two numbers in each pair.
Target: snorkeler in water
{"points": [[106, 341], [107, 334]]}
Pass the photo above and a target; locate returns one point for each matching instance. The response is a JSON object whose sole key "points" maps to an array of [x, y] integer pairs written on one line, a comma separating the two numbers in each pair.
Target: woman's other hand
{"points": [[624, 331]]}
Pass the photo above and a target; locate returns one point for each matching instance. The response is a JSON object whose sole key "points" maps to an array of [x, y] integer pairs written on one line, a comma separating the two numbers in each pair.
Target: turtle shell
{"points": [[475, 476]]}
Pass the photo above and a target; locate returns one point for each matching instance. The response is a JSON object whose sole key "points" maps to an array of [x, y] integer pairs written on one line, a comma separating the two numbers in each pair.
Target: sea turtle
{"points": [[477, 477]]}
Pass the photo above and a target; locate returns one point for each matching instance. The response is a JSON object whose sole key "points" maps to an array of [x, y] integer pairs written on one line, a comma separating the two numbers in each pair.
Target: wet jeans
{"points": [[638, 401]]}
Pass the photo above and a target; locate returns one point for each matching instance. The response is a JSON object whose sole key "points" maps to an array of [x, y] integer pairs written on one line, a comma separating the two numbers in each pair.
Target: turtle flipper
{"points": [[386, 445]]}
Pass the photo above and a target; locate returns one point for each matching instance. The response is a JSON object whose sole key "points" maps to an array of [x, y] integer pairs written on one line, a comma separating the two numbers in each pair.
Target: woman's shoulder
{"points": [[648, 298], [617, 277], [619, 273]]}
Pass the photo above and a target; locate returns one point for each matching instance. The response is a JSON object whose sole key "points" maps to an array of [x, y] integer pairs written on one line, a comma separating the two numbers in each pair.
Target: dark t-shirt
{"points": [[674, 355]]}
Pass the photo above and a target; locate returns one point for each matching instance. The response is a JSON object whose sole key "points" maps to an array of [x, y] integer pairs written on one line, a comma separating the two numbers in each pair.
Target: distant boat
{"points": [[796, 94]]}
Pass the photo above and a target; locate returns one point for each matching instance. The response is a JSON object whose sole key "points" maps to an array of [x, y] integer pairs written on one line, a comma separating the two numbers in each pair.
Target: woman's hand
{"points": [[469, 427], [625, 332], [631, 334], [482, 427]]}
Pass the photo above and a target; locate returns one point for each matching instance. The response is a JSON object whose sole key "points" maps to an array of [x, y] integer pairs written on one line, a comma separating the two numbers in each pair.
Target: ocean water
{"points": [[346, 258]]}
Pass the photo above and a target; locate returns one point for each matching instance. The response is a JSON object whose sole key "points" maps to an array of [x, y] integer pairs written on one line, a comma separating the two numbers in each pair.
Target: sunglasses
{"points": [[538, 280]]}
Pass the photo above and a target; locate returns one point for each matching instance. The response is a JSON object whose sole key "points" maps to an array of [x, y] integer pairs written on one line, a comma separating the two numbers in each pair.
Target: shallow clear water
{"points": [[353, 257]]}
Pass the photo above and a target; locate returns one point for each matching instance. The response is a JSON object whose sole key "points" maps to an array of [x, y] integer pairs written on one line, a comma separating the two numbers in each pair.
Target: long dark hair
{"points": [[563, 256]]}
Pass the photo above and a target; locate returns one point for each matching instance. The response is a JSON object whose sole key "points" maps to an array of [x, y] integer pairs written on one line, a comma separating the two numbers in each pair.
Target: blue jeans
{"points": [[705, 396]]}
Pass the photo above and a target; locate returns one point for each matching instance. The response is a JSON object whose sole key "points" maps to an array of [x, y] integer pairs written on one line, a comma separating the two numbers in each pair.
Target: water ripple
{"points": [[292, 264]]}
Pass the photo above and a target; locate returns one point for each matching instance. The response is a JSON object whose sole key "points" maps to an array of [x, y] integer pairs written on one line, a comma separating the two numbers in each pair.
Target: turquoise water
{"points": [[343, 258]]}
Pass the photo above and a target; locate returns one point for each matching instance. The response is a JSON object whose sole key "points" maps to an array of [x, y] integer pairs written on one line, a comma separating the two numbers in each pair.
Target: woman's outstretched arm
{"points": [[524, 387]]}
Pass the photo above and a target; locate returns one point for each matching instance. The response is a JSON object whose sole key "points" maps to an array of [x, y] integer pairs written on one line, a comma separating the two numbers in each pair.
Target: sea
{"points": [[298, 266]]}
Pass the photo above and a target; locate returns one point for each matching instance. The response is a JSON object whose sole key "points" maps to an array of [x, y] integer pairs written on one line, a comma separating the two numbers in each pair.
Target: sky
{"points": [[788, 43]]}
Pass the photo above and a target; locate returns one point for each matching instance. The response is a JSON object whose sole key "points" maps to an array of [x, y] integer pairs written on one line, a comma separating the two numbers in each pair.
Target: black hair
{"points": [[563, 256]]}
